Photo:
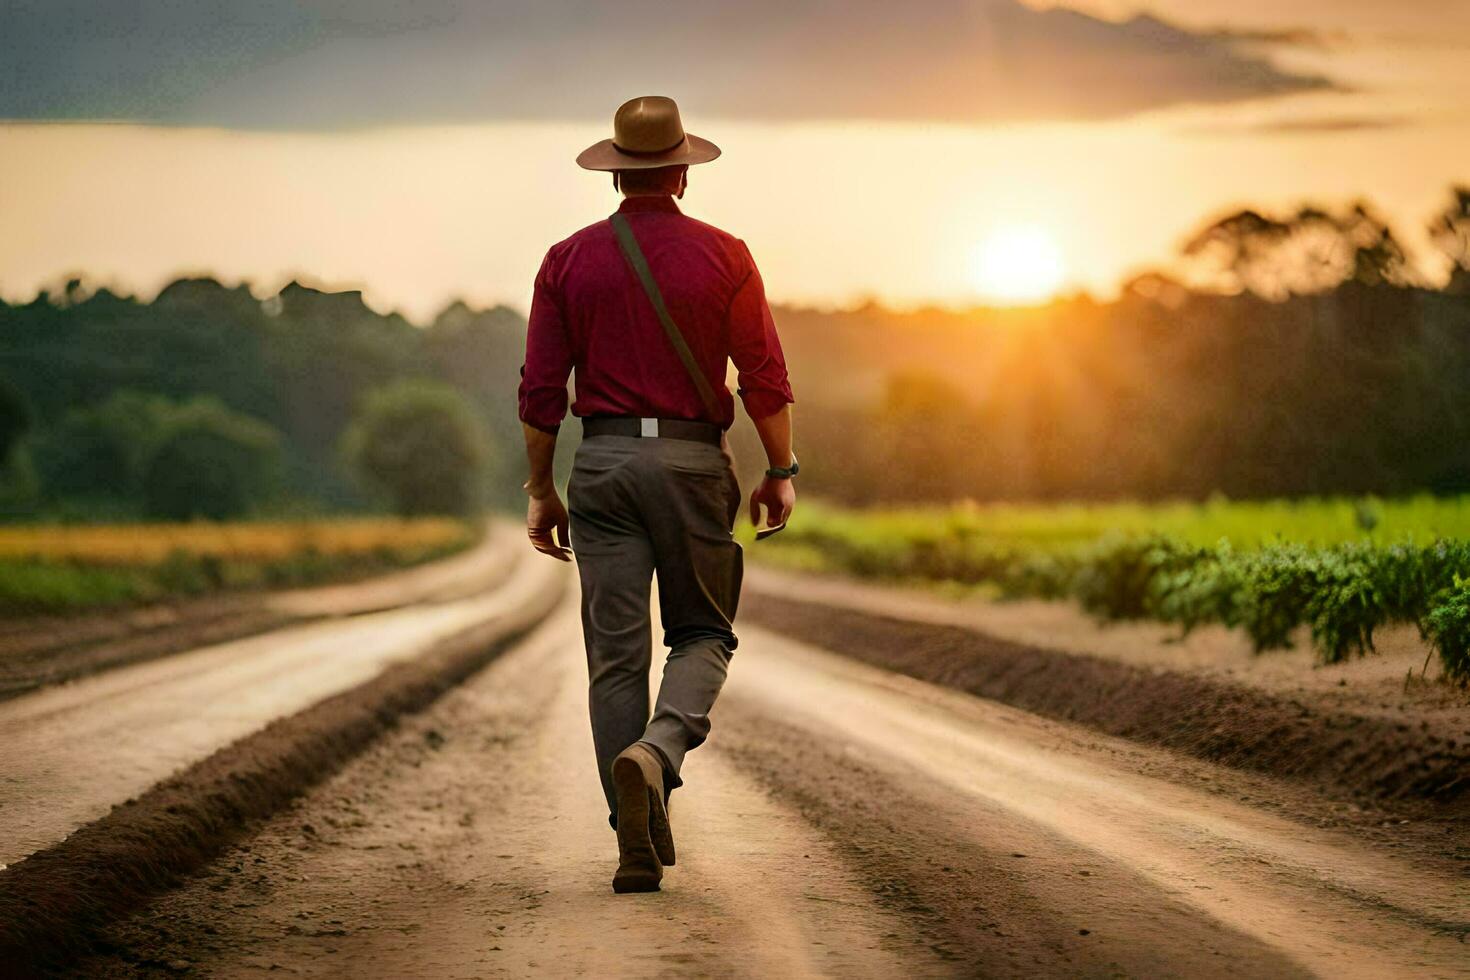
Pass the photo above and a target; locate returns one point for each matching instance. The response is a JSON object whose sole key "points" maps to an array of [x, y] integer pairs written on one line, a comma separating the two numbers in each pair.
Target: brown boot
{"points": [[645, 843]]}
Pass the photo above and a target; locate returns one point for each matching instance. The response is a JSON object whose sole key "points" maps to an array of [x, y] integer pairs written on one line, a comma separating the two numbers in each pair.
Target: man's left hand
{"points": [[779, 499]]}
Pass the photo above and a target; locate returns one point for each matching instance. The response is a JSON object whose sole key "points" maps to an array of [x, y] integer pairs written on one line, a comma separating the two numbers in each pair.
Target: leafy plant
{"points": [[1340, 586], [1345, 606], [1448, 629]]}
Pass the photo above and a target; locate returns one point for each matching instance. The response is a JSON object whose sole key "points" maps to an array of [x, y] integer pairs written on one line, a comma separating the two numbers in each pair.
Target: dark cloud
{"points": [[1362, 19], [1306, 126], [330, 63], [1301, 37]]}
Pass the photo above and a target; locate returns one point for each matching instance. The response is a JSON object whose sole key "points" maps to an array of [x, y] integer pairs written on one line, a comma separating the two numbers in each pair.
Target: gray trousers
{"points": [[640, 508]]}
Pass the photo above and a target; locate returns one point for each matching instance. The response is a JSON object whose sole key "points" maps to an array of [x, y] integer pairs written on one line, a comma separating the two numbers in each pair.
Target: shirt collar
{"points": [[649, 202]]}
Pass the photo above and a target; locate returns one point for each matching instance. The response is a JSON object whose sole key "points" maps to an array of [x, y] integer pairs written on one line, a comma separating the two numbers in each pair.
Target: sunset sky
{"points": [[953, 152]]}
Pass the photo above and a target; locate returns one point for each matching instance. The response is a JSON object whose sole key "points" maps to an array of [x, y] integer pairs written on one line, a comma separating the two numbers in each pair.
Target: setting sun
{"points": [[1018, 264]]}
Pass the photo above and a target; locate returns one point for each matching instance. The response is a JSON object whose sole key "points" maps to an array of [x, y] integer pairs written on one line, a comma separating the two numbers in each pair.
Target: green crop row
{"points": [[1342, 592]]}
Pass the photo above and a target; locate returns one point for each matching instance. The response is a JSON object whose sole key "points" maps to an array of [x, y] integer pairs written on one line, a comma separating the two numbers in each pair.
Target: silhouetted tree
{"points": [[1308, 252], [1450, 232], [1378, 259], [1241, 250]]}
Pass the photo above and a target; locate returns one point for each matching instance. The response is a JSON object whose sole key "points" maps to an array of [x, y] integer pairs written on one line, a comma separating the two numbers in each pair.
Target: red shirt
{"points": [[590, 313]]}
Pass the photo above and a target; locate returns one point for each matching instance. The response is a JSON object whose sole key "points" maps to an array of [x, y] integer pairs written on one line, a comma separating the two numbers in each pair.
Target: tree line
{"points": [[1293, 354], [209, 402]]}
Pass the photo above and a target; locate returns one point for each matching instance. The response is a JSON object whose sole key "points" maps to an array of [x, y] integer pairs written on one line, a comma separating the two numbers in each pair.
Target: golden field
{"points": [[149, 544], [69, 568]]}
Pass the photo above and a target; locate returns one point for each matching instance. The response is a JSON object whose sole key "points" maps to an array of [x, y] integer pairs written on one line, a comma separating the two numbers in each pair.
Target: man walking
{"points": [[648, 307]]}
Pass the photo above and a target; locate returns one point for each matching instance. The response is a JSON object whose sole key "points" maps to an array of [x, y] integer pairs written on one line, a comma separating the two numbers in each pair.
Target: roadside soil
{"points": [[1357, 729], [1373, 684], [40, 650], [842, 821]]}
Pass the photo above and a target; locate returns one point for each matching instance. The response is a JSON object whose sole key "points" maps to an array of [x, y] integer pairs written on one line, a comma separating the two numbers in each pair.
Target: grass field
{"points": [[71, 567], [1340, 567]]}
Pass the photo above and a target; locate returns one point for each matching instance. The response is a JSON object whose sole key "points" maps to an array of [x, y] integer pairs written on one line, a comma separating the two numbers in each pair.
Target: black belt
{"points": [[654, 429]]}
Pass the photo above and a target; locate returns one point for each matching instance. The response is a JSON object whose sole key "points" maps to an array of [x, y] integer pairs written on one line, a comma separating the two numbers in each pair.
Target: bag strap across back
{"points": [[629, 244]]}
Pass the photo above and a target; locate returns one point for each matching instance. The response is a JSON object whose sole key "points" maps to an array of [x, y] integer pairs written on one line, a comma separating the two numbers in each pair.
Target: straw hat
{"points": [[647, 133]]}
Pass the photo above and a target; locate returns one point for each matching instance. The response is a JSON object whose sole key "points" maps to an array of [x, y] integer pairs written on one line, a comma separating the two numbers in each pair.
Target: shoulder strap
{"points": [[634, 255]]}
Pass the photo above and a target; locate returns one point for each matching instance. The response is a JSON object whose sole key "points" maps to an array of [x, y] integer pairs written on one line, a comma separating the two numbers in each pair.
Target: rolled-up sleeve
{"points": [[548, 364], [754, 346]]}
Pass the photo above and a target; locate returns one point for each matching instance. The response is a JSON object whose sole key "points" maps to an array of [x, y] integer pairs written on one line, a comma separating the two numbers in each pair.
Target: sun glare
{"points": [[1018, 264]]}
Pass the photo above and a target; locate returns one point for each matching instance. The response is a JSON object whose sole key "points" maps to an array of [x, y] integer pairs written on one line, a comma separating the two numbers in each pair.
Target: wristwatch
{"points": [[784, 472]]}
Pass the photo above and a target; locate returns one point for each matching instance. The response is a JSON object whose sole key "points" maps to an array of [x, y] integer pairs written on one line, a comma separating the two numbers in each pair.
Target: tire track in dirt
{"points": [[473, 843], [1364, 756], [914, 772]]}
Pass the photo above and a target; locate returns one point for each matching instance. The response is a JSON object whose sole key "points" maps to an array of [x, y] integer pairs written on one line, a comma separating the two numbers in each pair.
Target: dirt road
{"points": [[68, 753], [842, 822]]}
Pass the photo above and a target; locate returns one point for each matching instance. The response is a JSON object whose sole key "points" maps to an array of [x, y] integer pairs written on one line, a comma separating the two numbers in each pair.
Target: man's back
{"points": [[590, 314]]}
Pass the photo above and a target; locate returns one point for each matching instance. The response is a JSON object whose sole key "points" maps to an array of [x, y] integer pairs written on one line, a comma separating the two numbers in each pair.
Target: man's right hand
{"points": [[544, 515]]}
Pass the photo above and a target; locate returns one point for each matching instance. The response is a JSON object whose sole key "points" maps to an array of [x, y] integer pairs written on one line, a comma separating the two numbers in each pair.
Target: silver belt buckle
{"points": [[648, 428]]}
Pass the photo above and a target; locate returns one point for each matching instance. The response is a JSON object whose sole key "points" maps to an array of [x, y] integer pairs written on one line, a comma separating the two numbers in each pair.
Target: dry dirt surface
{"points": [[843, 821], [1372, 685], [68, 753], [1354, 729]]}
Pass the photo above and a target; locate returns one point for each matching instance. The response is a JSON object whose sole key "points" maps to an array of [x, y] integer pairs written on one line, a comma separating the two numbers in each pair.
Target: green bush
{"points": [[1447, 627], [1346, 605], [212, 463], [1208, 590], [1118, 579], [418, 442], [1342, 592]]}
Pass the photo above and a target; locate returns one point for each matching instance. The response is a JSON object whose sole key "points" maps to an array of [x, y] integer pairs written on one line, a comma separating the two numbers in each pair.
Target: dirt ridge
{"points": [[52, 902], [127, 644], [1204, 717]]}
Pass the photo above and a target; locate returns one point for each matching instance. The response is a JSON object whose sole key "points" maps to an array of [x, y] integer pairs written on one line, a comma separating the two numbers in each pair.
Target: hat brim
{"points": [[605, 155]]}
